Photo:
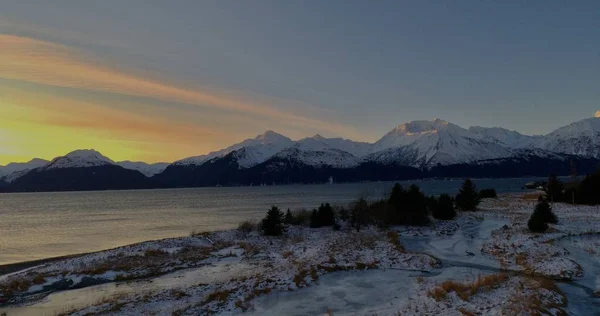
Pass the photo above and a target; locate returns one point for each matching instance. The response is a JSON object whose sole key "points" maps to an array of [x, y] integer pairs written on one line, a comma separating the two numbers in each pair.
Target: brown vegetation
{"points": [[466, 290]]}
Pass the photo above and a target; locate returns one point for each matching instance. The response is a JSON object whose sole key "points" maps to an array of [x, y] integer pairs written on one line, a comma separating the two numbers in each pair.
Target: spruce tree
{"points": [[397, 197], [444, 208], [468, 197], [542, 215], [554, 189], [272, 224], [314, 219], [326, 215], [289, 218], [359, 214], [536, 224], [416, 207]]}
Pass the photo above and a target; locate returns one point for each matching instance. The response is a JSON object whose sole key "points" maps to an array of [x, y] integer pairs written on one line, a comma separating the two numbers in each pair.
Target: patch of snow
{"points": [[79, 159]]}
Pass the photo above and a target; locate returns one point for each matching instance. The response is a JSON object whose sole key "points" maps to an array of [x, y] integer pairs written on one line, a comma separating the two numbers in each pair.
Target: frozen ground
{"points": [[482, 263]]}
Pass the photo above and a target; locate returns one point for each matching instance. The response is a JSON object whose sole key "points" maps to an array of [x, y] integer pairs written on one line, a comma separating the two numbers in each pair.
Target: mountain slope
{"points": [[258, 150], [580, 138], [505, 137], [429, 143], [146, 169], [79, 159], [80, 170], [14, 170]]}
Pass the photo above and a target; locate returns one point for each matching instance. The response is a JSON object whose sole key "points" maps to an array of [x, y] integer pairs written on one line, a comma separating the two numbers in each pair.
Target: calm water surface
{"points": [[42, 225]]}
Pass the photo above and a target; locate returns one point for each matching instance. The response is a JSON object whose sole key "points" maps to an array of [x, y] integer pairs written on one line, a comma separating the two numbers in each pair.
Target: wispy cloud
{"points": [[42, 62]]}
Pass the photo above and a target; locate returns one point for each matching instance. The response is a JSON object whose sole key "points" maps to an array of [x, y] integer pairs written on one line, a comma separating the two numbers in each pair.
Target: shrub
{"points": [[554, 189], [488, 193], [468, 197], [272, 224], [443, 208], [247, 226]]}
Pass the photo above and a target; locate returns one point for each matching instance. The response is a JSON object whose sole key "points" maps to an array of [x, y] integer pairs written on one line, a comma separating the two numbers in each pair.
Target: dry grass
{"points": [[465, 290], [532, 304], [466, 312], [15, 286], [220, 296], [249, 249], [300, 277], [38, 279], [178, 293], [394, 239]]}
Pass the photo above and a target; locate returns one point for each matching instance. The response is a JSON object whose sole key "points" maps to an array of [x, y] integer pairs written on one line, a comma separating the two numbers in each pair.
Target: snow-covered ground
{"points": [[481, 263]]}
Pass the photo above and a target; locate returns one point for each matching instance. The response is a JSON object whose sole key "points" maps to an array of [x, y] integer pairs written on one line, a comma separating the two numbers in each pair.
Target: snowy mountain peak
{"points": [[504, 136], [318, 137], [415, 127], [270, 137], [79, 159], [579, 138], [597, 114]]}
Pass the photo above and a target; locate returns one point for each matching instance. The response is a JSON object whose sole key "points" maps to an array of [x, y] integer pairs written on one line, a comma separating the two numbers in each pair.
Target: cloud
{"points": [[42, 62]]}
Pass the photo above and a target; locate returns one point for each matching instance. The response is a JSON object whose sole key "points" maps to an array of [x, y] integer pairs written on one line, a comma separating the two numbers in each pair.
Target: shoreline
{"points": [[279, 184]]}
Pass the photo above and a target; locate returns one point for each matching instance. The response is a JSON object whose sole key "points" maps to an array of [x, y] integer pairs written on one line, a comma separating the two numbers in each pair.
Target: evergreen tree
{"points": [[468, 198], [444, 208], [397, 197], [536, 224], [359, 214], [289, 218], [542, 215], [545, 211], [326, 215], [588, 191], [554, 189], [272, 224], [314, 219], [415, 212]]}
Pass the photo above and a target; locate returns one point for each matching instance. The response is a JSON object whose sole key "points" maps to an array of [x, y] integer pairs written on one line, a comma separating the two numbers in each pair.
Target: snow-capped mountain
{"points": [[505, 137], [358, 149], [146, 169], [14, 170], [319, 157], [429, 143], [257, 150], [79, 159], [581, 138]]}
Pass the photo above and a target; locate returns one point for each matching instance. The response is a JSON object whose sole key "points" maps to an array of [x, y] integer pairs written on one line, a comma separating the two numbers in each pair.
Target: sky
{"points": [[163, 80]]}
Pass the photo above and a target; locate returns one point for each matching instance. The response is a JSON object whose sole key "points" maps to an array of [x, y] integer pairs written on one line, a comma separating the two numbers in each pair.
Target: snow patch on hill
{"points": [[79, 159], [580, 138], [14, 170]]}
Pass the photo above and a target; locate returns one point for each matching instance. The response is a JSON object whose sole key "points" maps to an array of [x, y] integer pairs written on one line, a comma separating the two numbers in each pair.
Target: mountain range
{"points": [[417, 149]]}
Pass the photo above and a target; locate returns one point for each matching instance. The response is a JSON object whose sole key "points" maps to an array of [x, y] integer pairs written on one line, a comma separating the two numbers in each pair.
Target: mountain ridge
{"points": [[418, 148]]}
